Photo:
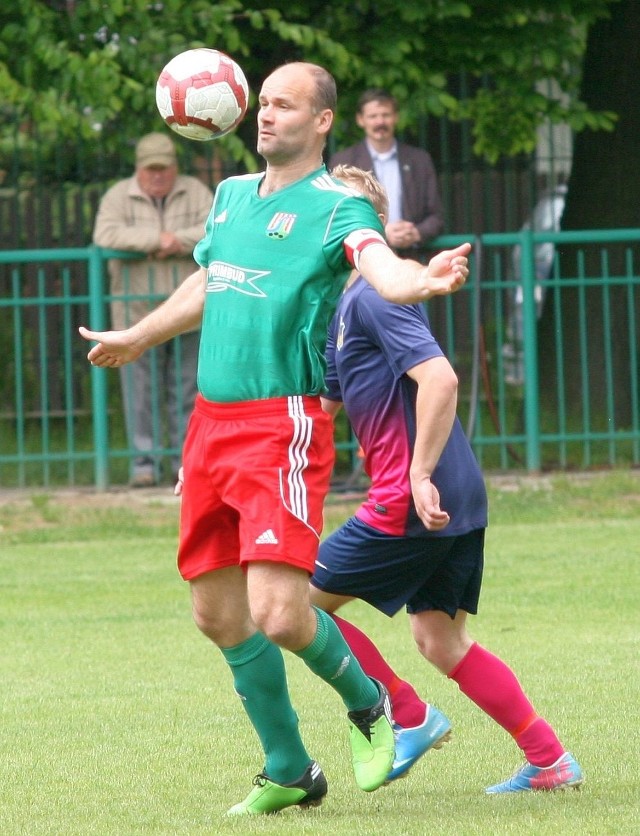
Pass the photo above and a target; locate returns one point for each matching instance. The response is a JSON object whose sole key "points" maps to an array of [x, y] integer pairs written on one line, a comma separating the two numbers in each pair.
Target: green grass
{"points": [[118, 718]]}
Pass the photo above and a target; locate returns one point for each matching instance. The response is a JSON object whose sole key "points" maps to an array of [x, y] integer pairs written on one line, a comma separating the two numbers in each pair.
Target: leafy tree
{"points": [[86, 69], [89, 67]]}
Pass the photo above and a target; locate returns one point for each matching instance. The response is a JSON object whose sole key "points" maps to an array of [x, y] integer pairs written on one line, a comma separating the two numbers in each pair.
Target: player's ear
{"points": [[382, 217], [325, 121]]}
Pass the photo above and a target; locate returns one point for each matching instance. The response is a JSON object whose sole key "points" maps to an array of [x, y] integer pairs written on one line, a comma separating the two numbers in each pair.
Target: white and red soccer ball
{"points": [[202, 94]]}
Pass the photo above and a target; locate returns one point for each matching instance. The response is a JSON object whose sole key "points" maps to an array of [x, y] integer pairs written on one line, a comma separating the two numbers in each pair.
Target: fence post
{"points": [[530, 351], [99, 395]]}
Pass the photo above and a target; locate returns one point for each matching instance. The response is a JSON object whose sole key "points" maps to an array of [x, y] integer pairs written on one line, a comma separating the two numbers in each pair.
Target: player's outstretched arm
{"points": [[181, 312], [407, 282]]}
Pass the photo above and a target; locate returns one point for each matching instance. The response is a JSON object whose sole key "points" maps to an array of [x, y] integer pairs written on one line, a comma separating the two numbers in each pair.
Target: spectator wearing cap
{"points": [[160, 214]]}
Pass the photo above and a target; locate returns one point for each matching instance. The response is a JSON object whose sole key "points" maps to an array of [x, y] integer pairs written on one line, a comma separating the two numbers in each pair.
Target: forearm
{"points": [[404, 281], [436, 404], [180, 313], [396, 279]]}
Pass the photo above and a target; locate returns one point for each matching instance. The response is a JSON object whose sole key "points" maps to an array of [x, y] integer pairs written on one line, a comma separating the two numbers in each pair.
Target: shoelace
{"points": [[363, 724]]}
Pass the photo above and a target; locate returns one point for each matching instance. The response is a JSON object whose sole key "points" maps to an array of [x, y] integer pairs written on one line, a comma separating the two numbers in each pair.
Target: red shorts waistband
{"points": [[307, 404]]}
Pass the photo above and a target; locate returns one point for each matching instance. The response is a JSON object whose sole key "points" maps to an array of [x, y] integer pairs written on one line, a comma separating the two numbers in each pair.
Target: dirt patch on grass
{"points": [[23, 510], [31, 510]]}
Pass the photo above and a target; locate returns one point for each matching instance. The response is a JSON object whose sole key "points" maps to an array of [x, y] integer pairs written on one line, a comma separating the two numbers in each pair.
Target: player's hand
{"points": [[447, 271], [427, 501], [177, 490], [113, 349]]}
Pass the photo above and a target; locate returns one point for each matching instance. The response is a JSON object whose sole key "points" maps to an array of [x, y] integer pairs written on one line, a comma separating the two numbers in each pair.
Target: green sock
{"points": [[260, 681], [330, 658]]}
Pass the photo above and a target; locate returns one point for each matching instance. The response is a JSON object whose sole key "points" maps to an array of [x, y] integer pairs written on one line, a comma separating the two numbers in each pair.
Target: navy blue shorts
{"points": [[389, 572]]}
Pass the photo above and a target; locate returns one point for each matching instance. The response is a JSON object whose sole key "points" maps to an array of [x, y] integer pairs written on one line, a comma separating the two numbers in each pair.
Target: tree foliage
{"points": [[90, 67]]}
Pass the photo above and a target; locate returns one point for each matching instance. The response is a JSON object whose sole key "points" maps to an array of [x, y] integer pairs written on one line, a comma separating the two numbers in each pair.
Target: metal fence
{"points": [[548, 365], [50, 188]]}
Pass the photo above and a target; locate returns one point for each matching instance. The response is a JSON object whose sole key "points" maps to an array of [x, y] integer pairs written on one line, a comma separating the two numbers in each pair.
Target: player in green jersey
{"points": [[277, 250]]}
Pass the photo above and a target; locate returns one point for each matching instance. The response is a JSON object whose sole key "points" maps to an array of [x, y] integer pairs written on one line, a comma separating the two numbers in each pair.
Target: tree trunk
{"points": [[604, 193]]}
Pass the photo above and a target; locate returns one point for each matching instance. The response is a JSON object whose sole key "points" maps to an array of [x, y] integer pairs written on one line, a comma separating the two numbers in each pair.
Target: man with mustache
{"points": [[407, 174]]}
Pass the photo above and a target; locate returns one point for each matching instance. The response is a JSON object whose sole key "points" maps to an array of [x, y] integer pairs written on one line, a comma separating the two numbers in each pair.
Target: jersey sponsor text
{"points": [[223, 276]]}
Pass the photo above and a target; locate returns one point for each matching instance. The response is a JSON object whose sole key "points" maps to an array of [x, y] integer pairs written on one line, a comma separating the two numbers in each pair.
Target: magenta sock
{"points": [[540, 743], [408, 709], [494, 688]]}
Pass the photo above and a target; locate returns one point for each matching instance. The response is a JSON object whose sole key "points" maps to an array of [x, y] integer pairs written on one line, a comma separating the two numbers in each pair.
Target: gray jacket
{"points": [[128, 219]]}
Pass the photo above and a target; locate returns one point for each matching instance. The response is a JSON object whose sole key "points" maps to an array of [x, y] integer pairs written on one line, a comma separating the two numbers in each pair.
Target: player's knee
{"points": [[216, 625], [442, 655], [207, 625], [277, 627], [428, 647], [285, 626]]}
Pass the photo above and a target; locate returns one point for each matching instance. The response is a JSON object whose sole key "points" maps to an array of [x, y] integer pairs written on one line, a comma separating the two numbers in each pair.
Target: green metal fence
{"points": [[548, 362]]}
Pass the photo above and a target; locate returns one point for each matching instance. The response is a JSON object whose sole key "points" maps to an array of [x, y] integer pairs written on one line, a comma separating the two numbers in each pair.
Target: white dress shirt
{"points": [[387, 170]]}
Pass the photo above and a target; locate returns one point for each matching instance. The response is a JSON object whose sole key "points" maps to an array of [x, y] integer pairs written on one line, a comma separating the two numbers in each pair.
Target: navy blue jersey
{"points": [[372, 344]]}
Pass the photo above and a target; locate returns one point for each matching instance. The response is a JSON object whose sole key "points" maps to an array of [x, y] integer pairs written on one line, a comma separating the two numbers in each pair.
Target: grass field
{"points": [[118, 718]]}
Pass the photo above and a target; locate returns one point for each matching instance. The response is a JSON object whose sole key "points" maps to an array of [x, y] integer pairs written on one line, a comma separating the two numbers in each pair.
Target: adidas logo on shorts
{"points": [[267, 538]]}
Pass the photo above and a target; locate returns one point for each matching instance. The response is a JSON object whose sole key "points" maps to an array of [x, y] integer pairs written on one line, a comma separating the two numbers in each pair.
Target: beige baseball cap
{"points": [[155, 149]]}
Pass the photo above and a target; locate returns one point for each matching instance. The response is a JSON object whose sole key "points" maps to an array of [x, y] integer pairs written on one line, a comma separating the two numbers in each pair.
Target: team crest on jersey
{"points": [[341, 330], [281, 225], [223, 276]]}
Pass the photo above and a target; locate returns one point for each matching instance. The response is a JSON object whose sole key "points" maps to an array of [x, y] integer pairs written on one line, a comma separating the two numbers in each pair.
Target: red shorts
{"points": [[256, 475]]}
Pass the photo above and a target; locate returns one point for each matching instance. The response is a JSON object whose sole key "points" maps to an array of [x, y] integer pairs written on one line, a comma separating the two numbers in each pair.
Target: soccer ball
{"points": [[202, 94]]}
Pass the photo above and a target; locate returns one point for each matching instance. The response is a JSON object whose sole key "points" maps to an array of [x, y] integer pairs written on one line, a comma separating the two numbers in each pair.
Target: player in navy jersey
{"points": [[417, 540], [258, 456]]}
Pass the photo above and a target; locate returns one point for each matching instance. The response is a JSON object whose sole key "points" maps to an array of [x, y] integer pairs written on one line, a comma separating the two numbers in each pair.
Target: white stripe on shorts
{"points": [[298, 460]]}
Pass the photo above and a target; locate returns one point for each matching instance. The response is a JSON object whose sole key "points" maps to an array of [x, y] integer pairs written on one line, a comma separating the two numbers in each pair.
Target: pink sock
{"points": [[408, 709], [493, 686]]}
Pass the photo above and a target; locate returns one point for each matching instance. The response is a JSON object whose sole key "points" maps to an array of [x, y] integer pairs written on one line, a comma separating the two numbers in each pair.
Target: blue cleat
{"points": [[412, 743], [561, 775]]}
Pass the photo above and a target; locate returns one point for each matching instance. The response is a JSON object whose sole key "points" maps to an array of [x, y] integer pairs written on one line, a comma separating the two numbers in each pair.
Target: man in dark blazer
{"points": [[407, 173]]}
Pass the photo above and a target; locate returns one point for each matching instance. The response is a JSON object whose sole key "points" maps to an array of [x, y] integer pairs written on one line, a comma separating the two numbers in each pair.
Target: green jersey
{"points": [[276, 267]]}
